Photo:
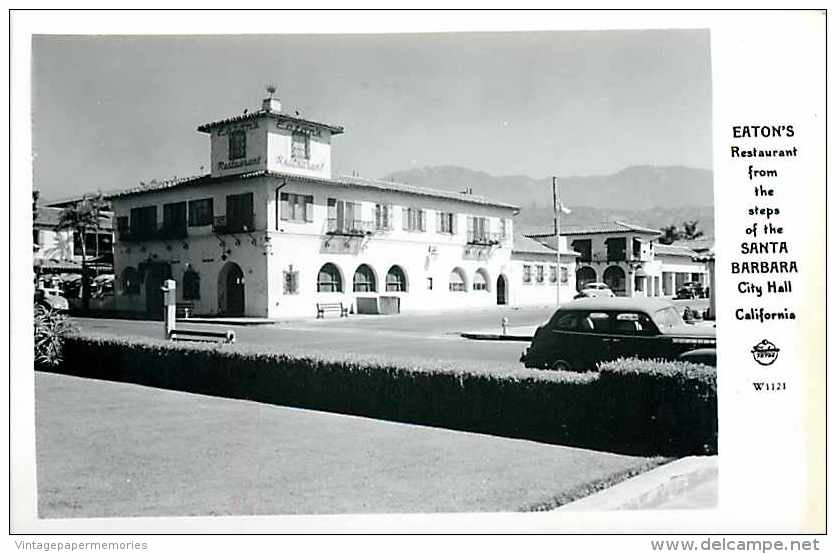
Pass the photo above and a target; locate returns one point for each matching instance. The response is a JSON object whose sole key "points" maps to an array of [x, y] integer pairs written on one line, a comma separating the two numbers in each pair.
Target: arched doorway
{"points": [[501, 290], [615, 278], [583, 276], [155, 276], [231, 290]]}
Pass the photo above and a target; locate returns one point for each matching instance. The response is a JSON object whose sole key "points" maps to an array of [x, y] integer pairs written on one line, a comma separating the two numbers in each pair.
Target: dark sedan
{"points": [[585, 332]]}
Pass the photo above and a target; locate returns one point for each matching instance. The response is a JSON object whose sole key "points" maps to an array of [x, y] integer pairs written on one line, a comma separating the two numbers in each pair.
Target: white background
{"points": [[767, 68]]}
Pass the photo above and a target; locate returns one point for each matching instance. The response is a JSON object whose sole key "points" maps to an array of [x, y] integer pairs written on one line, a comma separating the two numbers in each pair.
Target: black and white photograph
{"points": [[406, 273]]}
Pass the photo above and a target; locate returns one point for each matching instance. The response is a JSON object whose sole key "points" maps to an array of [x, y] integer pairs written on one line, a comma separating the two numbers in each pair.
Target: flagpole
{"points": [[556, 234]]}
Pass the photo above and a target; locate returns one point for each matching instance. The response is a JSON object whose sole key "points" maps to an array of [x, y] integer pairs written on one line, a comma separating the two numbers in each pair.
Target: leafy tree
{"points": [[81, 217]]}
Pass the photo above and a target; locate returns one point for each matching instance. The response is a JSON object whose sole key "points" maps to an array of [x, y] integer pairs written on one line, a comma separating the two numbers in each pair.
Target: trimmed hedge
{"points": [[668, 409]]}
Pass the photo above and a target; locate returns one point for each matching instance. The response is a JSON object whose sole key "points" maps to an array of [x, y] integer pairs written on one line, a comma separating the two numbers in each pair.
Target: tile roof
{"points": [[674, 250], [607, 227], [346, 181], [526, 245], [700, 244], [50, 217], [279, 116]]}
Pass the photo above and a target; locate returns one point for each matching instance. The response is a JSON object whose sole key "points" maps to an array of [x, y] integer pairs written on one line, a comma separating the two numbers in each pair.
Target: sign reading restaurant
{"points": [[234, 164]]}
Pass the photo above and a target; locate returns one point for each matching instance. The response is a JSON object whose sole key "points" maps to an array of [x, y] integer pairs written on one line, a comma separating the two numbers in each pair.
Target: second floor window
{"points": [[526, 273], [477, 229], [414, 219], [295, 207], [446, 223], [144, 221], [300, 146], [540, 274], [239, 212], [552, 274], [383, 217], [174, 216], [237, 145], [345, 217], [201, 212]]}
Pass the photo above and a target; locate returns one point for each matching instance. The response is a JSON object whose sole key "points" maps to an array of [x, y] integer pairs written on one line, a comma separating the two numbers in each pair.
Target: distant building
{"points": [[629, 259], [59, 251], [269, 232]]}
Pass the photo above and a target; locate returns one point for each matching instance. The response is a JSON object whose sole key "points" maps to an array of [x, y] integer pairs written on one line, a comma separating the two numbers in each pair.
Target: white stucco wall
{"points": [[256, 151], [266, 253], [279, 156]]}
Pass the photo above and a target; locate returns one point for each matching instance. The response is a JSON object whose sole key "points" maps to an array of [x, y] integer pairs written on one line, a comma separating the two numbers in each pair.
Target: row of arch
{"points": [[330, 279], [364, 279], [614, 277]]}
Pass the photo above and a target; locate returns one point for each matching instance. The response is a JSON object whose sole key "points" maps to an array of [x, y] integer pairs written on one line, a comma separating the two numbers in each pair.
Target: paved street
{"points": [[187, 454], [434, 335], [424, 335]]}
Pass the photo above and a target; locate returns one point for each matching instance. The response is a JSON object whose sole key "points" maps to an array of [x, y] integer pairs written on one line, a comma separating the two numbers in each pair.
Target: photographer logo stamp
{"points": [[765, 352]]}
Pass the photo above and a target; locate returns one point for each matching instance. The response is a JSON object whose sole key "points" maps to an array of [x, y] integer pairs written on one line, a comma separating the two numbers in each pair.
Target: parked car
{"points": [[584, 332], [595, 290], [50, 299], [689, 290]]}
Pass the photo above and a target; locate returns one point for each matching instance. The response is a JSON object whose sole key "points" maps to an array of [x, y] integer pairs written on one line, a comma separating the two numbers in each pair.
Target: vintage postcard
{"points": [[552, 272]]}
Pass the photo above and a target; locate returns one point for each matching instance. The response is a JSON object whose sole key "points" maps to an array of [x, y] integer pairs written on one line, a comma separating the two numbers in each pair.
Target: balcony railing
{"points": [[223, 226], [349, 227], [165, 232], [484, 238]]}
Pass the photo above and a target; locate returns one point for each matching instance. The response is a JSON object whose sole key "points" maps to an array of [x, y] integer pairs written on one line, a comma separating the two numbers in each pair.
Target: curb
{"points": [[494, 336], [210, 321], [653, 488]]}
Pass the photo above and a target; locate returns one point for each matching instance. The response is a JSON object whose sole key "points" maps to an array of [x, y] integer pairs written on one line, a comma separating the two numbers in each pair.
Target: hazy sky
{"points": [[109, 112]]}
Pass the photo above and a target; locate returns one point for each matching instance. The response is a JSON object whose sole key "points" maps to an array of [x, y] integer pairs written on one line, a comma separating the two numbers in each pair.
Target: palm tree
{"points": [[82, 217], [691, 231], [671, 234]]}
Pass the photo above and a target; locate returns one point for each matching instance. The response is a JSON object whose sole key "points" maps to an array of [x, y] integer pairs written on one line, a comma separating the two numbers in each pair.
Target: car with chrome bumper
{"points": [[585, 332]]}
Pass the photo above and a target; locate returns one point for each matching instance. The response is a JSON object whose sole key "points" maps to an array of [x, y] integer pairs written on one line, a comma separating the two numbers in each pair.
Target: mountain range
{"points": [[654, 196]]}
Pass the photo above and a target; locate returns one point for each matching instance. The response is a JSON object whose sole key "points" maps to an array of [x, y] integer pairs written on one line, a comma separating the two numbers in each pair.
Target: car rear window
{"points": [[598, 322], [632, 324], [566, 321]]}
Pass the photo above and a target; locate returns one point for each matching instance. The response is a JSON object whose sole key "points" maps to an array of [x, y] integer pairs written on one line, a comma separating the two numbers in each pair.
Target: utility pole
{"points": [[556, 234]]}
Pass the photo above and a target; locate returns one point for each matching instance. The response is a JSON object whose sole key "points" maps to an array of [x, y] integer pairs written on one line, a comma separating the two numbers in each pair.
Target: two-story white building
{"points": [[269, 232], [629, 259]]}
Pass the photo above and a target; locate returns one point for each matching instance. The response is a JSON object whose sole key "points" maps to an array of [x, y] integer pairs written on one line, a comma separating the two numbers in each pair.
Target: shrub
{"points": [[665, 395], [578, 409], [51, 329]]}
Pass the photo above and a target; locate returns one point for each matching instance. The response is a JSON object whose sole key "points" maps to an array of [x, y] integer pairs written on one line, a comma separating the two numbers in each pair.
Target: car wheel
{"points": [[561, 365]]}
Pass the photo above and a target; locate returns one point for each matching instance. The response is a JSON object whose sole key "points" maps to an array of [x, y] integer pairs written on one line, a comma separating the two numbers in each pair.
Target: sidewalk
{"points": [[688, 483], [522, 333]]}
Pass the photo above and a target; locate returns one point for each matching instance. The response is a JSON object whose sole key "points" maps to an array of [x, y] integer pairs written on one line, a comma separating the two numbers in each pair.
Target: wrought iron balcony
{"points": [[478, 238], [223, 226], [349, 227]]}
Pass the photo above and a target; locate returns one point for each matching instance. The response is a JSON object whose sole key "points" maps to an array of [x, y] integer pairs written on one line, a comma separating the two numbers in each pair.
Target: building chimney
{"points": [[271, 105]]}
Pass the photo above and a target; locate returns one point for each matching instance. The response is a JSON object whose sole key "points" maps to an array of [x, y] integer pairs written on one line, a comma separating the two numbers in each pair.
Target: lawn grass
{"points": [[109, 449]]}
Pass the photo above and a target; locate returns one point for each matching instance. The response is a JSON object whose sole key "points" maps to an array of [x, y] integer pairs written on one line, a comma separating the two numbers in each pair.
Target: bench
{"points": [[183, 310], [331, 307], [226, 337]]}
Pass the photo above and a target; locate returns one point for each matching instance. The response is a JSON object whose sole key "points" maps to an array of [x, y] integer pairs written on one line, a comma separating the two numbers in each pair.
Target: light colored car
{"points": [[48, 299], [595, 290]]}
